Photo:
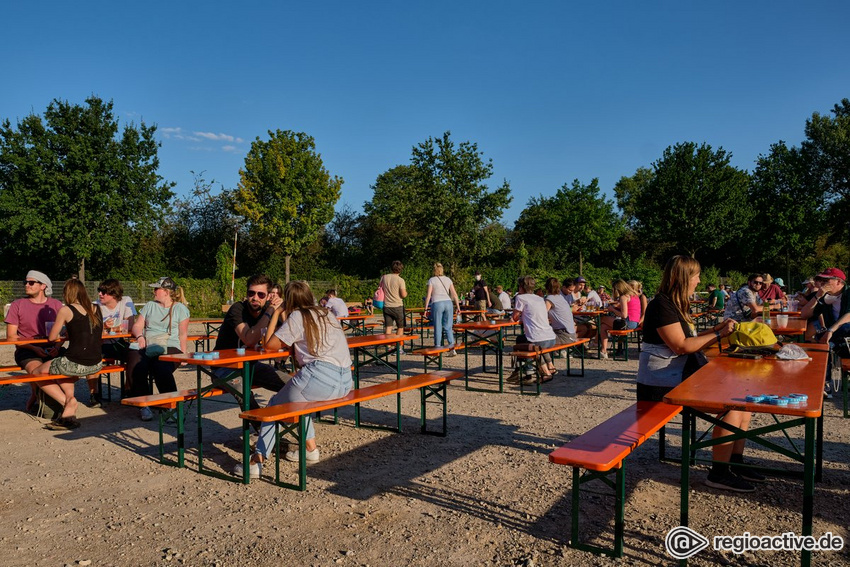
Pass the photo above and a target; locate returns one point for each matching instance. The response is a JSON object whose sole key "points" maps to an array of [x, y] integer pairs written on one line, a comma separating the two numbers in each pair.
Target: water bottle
{"points": [[765, 313]]}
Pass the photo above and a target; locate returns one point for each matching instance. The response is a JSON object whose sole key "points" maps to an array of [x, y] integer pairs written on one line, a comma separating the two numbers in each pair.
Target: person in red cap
{"points": [[833, 308]]}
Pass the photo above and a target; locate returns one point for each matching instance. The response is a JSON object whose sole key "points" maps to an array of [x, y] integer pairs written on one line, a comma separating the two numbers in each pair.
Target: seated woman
{"points": [[82, 357], [321, 350], [537, 331], [626, 306], [161, 328], [671, 354], [638, 287]]}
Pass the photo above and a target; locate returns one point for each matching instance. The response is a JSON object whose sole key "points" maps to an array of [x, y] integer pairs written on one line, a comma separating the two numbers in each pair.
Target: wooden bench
{"points": [[435, 354], [201, 341], [526, 357], [291, 417], [620, 340], [172, 404], [602, 452]]}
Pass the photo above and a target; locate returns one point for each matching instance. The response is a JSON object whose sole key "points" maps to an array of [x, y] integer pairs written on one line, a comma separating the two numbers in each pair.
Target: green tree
{"points": [[72, 189], [577, 222], [285, 194], [439, 206], [695, 200]]}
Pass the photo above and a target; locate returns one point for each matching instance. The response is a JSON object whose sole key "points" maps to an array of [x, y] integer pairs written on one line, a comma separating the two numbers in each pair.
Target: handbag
{"points": [[378, 296], [695, 361], [619, 324]]}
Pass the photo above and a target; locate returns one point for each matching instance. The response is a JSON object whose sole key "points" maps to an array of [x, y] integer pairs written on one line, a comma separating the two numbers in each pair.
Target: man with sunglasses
{"points": [[745, 304], [27, 319], [245, 325]]}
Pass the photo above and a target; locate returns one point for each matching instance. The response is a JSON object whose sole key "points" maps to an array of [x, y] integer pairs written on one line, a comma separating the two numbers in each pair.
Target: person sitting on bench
{"points": [[321, 350]]}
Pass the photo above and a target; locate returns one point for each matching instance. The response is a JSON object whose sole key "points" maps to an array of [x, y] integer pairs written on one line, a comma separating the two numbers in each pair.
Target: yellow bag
{"points": [[751, 335]]}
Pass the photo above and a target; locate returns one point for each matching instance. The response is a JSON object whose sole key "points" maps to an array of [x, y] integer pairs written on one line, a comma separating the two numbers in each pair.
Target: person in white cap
{"points": [[28, 318]]}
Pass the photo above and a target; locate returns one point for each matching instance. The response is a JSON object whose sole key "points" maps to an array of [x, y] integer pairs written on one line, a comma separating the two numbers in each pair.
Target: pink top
{"points": [[634, 308]]}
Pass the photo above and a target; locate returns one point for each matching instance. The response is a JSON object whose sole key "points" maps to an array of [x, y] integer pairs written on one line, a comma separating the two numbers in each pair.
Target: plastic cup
{"points": [[240, 351], [215, 354], [782, 321]]}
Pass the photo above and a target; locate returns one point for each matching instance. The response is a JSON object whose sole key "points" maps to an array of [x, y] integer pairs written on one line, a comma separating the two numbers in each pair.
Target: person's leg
{"points": [[720, 475], [138, 366], [163, 375], [388, 322], [399, 321], [448, 319], [607, 325], [437, 309]]}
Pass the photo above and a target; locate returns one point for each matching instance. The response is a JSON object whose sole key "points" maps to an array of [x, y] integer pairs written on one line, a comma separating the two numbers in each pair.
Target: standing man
{"points": [[244, 325], [336, 305], [481, 295], [395, 291], [27, 319]]}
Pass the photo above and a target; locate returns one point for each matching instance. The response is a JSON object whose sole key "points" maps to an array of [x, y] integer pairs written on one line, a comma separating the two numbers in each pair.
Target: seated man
{"points": [[833, 306], [504, 298], [716, 300], [335, 304], [594, 297], [245, 325], [745, 304], [495, 310]]}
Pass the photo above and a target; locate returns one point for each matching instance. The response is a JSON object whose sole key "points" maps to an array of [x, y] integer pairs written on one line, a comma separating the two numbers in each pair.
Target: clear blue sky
{"points": [[550, 91]]}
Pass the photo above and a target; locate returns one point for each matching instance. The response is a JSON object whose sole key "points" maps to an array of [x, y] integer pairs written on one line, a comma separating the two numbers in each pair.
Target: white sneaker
{"points": [[451, 353], [603, 355], [255, 470], [312, 456], [146, 414]]}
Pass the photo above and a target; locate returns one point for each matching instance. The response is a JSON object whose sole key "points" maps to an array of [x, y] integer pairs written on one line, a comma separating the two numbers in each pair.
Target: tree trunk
{"points": [[82, 271], [288, 256], [581, 264]]}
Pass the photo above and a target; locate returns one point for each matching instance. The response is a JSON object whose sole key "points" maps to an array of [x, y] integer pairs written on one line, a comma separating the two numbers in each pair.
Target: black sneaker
{"points": [[748, 474], [95, 401], [729, 482]]}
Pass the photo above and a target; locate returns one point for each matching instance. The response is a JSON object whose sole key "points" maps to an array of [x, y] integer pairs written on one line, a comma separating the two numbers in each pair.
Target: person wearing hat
{"points": [[833, 306], [771, 290], [27, 319], [161, 328]]}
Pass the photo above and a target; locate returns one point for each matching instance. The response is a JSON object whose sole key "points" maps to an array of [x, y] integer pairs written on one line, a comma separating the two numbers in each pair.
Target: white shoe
{"points": [[312, 456], [603, 355], [255, 470], [451, 353], [146, 414]]}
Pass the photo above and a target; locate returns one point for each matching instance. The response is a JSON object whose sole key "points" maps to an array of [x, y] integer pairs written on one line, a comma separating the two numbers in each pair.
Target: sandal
{"points": [[63, 424]]}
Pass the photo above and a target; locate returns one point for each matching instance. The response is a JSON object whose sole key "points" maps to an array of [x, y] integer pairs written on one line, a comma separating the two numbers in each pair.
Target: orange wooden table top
{"points": [[227, 357], [486, 325], [724, 384], [378, 340]]}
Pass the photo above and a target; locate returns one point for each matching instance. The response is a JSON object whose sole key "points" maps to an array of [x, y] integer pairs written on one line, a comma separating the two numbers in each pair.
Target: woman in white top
{"points": [[441, 294], [531, 308], [316, 339]]}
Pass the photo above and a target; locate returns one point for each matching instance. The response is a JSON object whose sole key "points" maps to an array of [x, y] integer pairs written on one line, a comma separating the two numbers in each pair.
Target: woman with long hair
{"points": [[671, 353], [638, 287], [82, 356], [440, 296], [321, 350], [626, 306], [161, 328]]}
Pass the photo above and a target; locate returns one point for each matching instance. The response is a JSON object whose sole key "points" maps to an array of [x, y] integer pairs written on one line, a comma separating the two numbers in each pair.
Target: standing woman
{"points": [[441, 291], [321, 351], [626, 306], [82, 357], [161, 328], [670, 355]]}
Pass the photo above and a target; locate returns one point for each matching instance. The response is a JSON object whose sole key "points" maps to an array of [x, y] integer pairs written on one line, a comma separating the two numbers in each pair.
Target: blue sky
{"points": [[550, 91]]}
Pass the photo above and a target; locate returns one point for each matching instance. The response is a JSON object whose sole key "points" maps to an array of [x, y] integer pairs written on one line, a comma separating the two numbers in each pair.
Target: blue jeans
{"points": [[317, 381], [441, 315]]}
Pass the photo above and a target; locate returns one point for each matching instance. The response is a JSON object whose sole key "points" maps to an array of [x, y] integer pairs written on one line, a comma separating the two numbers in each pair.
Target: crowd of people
{"points": [[559, 312]]}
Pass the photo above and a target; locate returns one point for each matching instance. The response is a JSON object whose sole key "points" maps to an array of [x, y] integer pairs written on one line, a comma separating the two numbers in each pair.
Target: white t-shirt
{"points": [[535, 319], [593, 298], [337, 306], [440, 286], [560, 315], [122, 311], [334, 348], [505, 300]]}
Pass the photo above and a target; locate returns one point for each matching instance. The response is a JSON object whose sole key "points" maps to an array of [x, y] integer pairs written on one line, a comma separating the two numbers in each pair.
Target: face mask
{"points": [[830, 299], [478, 278]]}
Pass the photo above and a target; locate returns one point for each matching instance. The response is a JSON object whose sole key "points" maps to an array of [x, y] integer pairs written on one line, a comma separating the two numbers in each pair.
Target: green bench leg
{"points": [[438, 391], [619, 487]]}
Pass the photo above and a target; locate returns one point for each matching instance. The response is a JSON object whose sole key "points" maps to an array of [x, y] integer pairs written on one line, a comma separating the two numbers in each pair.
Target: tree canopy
{"points": [[72, 189], [285, 194]]}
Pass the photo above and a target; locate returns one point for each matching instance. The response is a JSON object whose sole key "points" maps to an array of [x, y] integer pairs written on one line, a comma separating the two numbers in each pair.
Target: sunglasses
{"points": [[259, 294], [31, 282], [102, 290], [758, 283]]}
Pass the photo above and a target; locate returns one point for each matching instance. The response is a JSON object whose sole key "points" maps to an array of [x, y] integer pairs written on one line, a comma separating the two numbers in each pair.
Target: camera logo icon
{"points": [[683, 542]]}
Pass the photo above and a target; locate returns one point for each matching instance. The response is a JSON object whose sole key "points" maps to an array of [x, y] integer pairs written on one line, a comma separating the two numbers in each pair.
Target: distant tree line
{"points": [[78, 195]]}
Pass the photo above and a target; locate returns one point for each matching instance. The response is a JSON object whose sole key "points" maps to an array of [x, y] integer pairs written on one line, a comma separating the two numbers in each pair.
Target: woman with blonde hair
{"points": [[321, 350], [671, 353], [162, 327], [626, 306], [440, 296], [638, 287], [82, 357]]}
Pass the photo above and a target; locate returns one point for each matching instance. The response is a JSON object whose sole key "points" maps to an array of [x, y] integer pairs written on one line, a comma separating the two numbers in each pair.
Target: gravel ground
{"points": [[484, 495]]}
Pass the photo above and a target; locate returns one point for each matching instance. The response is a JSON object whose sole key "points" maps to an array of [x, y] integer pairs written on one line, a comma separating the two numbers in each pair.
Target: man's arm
{"points": [[250, 336]]}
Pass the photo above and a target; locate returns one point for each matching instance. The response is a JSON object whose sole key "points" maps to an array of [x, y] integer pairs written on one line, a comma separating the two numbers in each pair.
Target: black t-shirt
{"points": [[237, 314], [659, 313], [478, 289]]}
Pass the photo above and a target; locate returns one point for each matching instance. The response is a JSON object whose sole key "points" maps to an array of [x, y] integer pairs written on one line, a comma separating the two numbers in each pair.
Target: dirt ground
{"points": [[484, 495]]}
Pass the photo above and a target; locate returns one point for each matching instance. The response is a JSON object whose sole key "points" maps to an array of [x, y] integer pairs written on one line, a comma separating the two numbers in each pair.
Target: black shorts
{"points": [[394, 315], [25, 355]]}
